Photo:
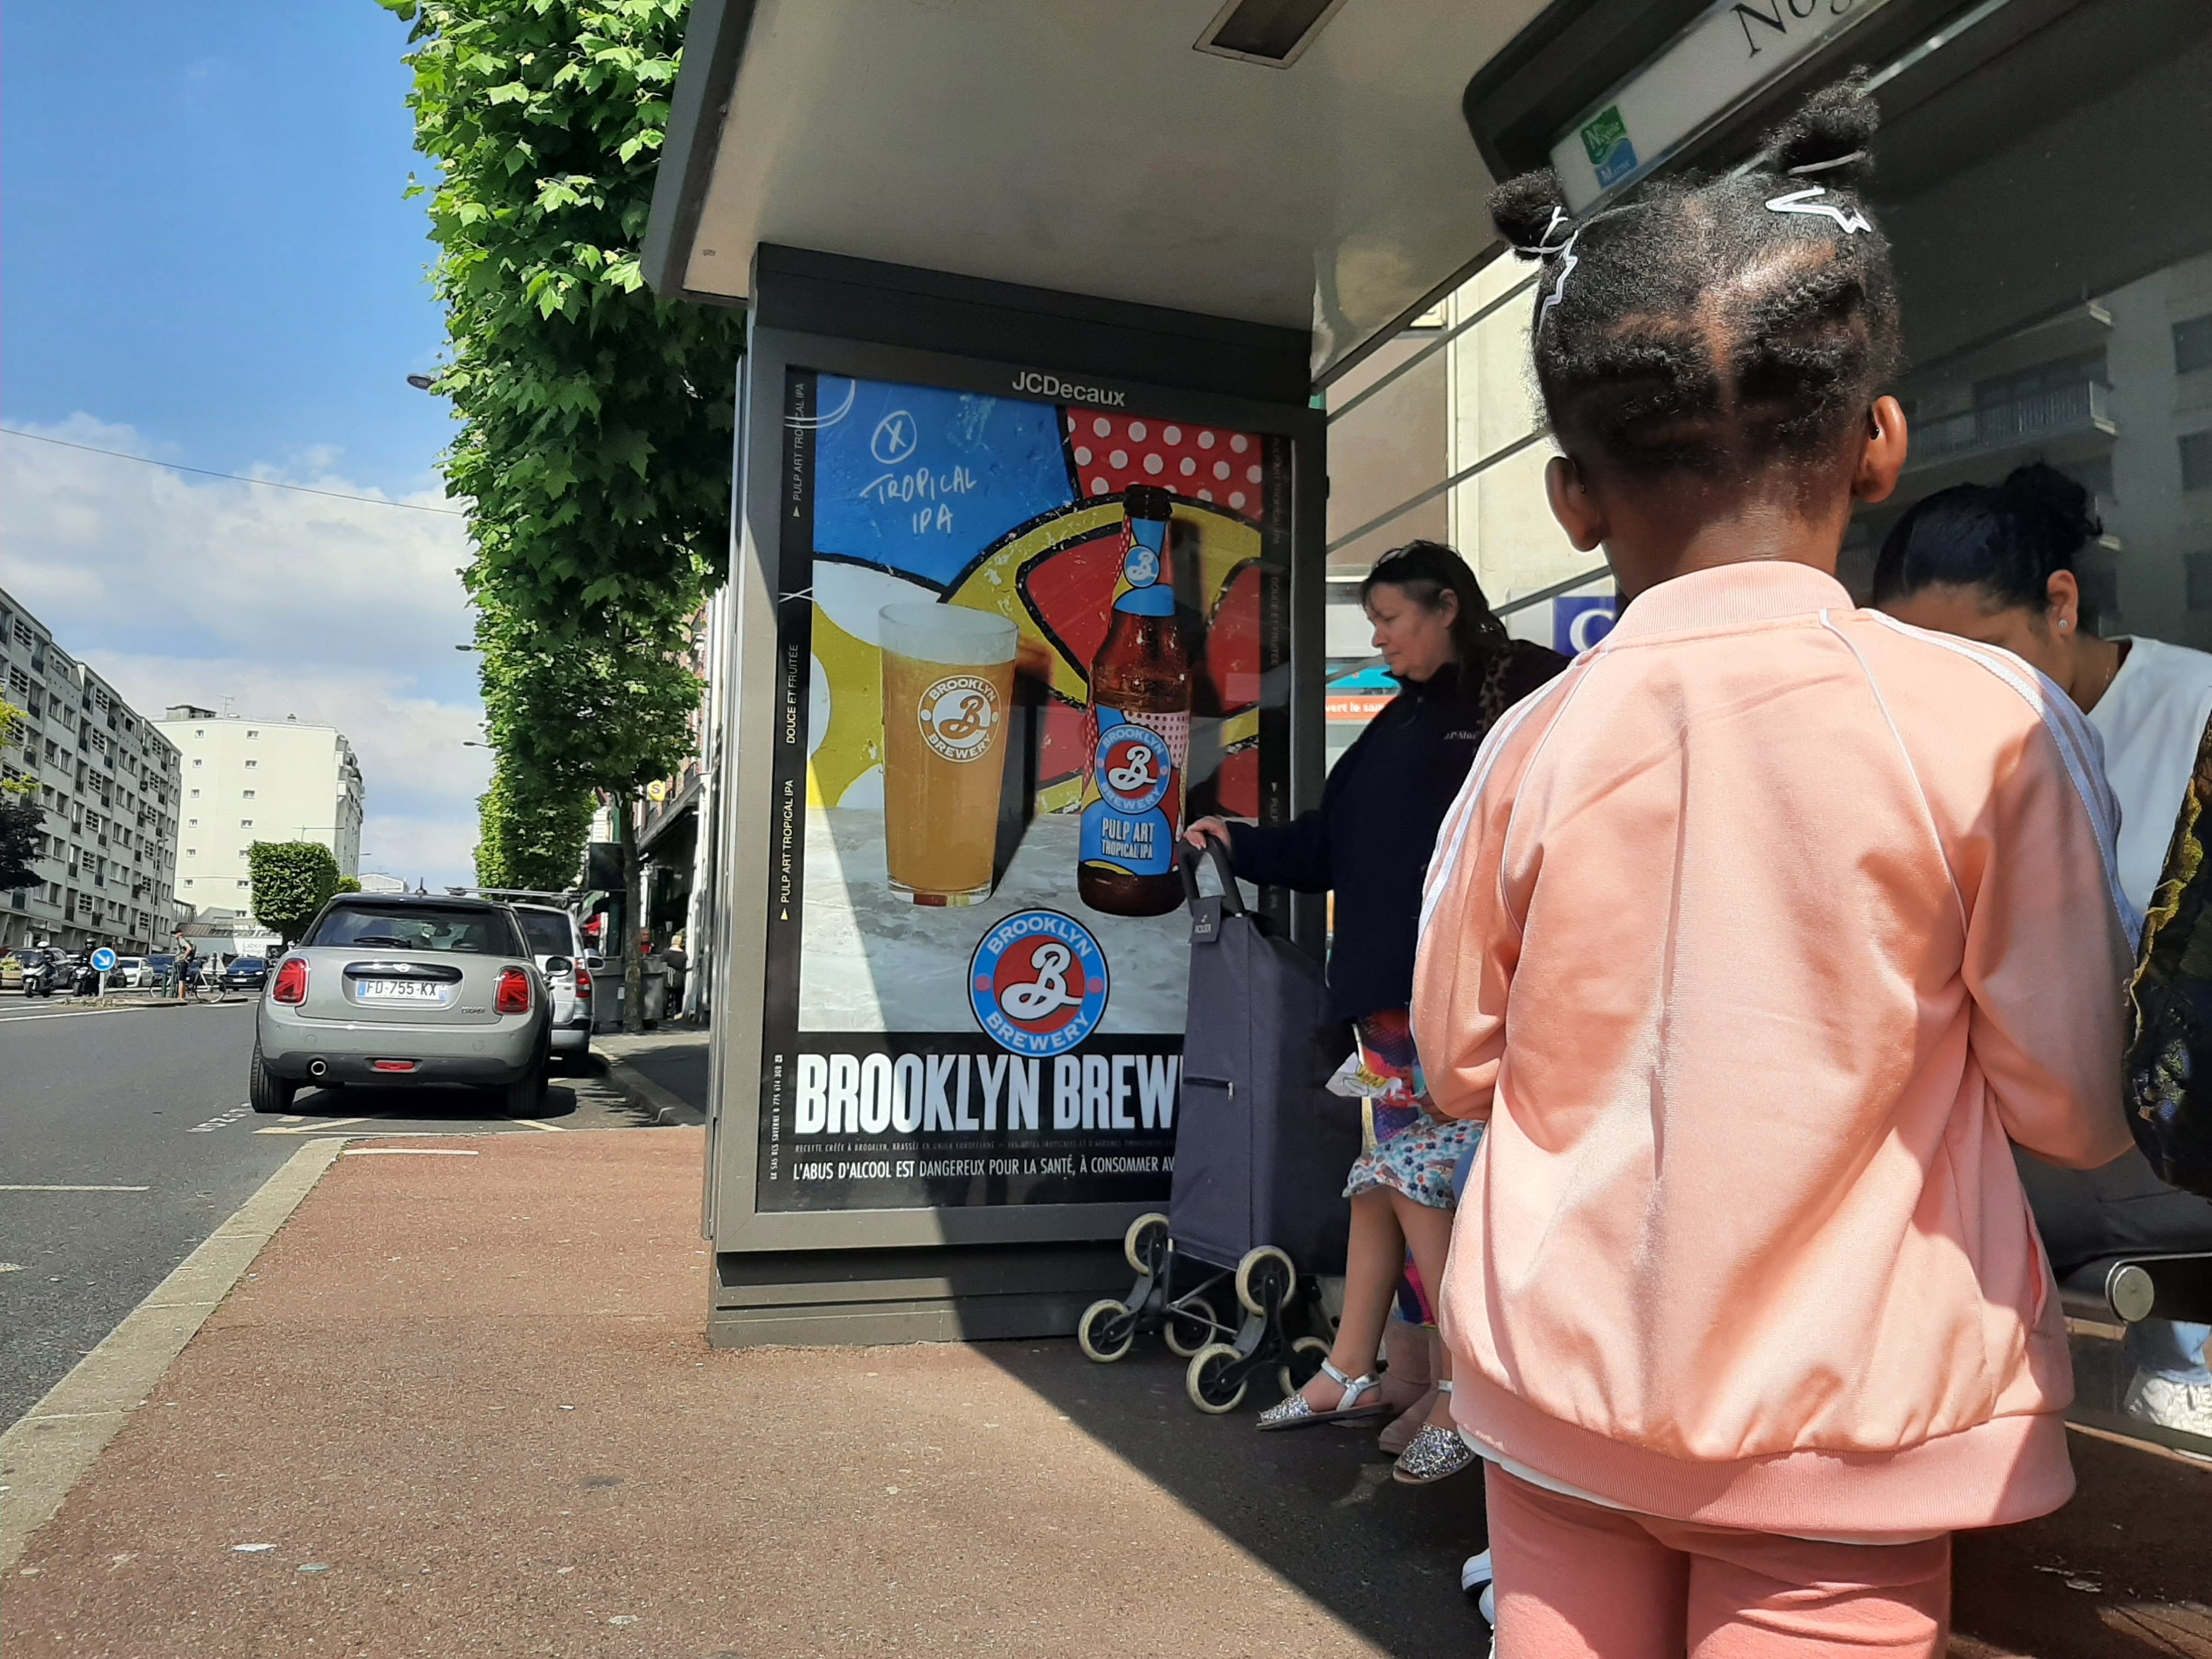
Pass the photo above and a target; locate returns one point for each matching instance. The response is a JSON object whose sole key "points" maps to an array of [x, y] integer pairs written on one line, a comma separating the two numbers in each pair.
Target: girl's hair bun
{"points": [[2042, 491], [1525, 211], [1830, 141]]}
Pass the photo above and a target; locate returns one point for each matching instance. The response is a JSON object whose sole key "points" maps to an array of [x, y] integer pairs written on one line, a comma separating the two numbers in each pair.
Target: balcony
{"points": [[2067, 423]]}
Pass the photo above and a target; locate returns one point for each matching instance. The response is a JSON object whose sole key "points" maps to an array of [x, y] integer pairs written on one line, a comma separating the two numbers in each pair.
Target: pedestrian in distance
{"points": [[182, 970], [1756, 938], [1369, 842]]}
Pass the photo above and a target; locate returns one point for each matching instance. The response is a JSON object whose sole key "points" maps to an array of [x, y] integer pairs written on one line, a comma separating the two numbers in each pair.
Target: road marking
{"points": [[11, 1267], [409, 1151], [221, 1121], [309, 1128], [48, 1450], [552, 1127], [73, 1013], [46, 1188]]}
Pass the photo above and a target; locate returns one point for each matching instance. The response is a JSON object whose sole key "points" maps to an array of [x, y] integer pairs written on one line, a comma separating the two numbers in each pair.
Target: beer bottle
{"points": [[1132, 786]]}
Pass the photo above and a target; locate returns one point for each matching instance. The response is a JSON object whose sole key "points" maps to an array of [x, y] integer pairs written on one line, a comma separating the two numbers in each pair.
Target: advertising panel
{"points": [[1022, 641]]}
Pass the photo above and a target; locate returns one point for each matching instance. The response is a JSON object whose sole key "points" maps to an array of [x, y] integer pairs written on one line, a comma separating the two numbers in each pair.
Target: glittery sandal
{"points": [[1434, 1455], [1297, 1412]]}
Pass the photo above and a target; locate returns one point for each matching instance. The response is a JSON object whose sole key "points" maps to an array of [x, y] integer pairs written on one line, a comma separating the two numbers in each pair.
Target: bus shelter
{"points": [[1011, 267]]}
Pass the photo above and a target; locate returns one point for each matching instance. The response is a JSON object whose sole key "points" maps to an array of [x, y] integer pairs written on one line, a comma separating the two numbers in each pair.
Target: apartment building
{"points": [[109, 785], [245, 781]]}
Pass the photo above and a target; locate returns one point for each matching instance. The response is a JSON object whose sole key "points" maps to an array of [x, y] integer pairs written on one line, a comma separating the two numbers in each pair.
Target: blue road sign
{"points": [[103, 960]]}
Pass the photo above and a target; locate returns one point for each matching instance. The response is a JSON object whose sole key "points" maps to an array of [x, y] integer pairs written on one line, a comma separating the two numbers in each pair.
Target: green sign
{"points": [[1605, 137]]}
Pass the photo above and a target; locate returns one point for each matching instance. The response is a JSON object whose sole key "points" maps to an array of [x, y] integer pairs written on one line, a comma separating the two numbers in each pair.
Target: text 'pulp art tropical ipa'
{"points": [[1133, 790], [948, 686]]}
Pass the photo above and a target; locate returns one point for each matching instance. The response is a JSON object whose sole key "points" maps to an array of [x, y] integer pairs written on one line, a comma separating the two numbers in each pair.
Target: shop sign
{"points": [[1732, 49], [1023, 641]]}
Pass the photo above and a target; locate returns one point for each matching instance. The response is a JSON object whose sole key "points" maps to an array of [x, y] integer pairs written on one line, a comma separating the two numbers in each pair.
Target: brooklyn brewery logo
{"points": [[957, 715], [1038, 983]]}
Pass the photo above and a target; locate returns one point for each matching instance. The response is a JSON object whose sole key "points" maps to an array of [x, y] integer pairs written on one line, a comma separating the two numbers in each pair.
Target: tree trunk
{"points": [[633, 913]]}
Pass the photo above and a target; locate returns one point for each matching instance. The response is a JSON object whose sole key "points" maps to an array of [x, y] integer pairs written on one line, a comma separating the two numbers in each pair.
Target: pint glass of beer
{"points": [[948, 688]]}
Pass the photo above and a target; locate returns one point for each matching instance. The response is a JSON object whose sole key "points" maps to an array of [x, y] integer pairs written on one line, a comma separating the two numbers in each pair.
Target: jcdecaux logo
{"points": [[1038, 983]]}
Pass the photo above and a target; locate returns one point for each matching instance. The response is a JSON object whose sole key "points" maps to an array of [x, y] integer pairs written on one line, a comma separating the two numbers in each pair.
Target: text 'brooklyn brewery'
{"points": [[947, 1094]]}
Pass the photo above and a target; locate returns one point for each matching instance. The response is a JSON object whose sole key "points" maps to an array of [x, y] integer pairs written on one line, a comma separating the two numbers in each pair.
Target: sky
{"points": [[206, 258]]}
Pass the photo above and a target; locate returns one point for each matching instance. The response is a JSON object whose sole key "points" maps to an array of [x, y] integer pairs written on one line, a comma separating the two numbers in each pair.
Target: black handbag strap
{"points": [[1231, 900]]}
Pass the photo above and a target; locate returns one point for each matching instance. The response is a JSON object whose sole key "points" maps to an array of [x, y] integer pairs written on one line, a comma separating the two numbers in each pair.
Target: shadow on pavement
{"points": [[1317, 1506], [2118, 1574]]}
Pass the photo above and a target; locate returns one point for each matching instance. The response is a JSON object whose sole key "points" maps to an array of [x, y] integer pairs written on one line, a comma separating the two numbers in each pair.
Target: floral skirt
{"points": [[1410, 1150]]}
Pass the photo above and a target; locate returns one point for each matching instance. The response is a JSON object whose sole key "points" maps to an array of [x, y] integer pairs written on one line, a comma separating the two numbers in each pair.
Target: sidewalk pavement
{"points": [[460, 1404], [663, 1070]]}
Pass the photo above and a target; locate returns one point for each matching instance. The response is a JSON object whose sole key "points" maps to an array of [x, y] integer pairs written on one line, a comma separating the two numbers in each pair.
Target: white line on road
{"points": [[44, 1187], [532, 1122], [408, 1152], [315, 1128], [51, 1446], [221, 1121]]}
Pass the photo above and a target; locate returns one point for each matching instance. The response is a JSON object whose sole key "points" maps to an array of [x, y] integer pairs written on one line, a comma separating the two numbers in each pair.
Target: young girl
{"points": [[1753, 936]]}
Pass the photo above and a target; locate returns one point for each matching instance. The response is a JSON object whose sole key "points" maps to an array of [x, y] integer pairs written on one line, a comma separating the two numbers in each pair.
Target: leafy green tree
{"points": [[292, 880], [21, 817], [532, 836], [594, 451], [348, 884]]}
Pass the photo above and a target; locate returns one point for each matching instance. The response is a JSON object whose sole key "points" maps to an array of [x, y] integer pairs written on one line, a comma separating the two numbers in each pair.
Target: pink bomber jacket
{"points": [[1755, 936]]}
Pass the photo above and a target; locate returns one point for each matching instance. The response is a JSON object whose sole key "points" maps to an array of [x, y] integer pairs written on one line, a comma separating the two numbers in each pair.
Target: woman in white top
{"points": [[1996, 564]]}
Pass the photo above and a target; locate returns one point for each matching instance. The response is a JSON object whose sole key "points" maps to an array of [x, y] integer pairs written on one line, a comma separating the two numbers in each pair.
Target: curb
{"points": [[47, 1451], [665, 1106]]}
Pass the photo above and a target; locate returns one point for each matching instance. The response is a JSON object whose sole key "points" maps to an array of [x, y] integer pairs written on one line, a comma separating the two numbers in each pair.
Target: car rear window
{"points": [[550, 932], [463, 929]]}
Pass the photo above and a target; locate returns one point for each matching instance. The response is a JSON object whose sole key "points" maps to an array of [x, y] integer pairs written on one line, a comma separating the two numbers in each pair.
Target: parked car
{"points": [[158, 969], [558, 949], [11, 971], [129, 973], [388, 987], [244, 974]]}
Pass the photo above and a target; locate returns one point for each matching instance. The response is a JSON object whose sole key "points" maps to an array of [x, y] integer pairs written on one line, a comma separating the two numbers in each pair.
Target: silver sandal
{"points": [[1434, 1455], [1296, 1412]]}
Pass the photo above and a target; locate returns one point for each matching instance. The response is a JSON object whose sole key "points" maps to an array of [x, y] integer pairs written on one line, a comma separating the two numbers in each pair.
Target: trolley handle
{"points": [[1232, 900]]}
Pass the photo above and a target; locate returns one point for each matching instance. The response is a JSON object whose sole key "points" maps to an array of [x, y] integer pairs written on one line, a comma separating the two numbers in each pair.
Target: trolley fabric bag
{"points": [[1261, 1146]]}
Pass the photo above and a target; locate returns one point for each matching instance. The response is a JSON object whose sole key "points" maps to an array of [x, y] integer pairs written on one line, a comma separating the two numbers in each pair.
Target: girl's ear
{"points": [[1447, 606], [2065, 595], [1573, 505], [1883, 458]]}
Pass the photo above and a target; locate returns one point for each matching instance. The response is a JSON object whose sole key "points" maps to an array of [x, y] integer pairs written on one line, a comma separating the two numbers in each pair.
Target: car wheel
{"points": [[265, 1092], [523, 1097]]}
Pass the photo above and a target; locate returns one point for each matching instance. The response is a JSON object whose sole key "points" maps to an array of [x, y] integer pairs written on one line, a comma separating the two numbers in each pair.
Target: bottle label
{"points": [[1132, 795]]}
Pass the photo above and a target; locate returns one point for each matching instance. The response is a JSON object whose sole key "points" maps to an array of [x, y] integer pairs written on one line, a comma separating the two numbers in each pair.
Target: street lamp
{"points": [[421, 382]]}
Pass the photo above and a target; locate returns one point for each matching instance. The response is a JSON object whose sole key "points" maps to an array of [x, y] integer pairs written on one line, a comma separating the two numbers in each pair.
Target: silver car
{"points": [[558, 950], [385, 987]]}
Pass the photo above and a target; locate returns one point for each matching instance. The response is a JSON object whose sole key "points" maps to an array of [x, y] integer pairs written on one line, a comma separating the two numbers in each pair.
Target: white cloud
{"points": [[182, 589]]}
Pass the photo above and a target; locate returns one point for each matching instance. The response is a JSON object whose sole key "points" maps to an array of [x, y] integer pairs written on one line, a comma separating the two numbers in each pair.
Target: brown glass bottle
{"points": [[1132, 794]]}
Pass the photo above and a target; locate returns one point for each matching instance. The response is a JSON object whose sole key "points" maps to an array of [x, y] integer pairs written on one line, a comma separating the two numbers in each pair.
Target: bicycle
{"points": [[204, 988]]}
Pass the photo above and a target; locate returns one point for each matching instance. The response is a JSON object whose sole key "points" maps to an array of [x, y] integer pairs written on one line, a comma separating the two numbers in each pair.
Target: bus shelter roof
{"points": [[1094, 149]]}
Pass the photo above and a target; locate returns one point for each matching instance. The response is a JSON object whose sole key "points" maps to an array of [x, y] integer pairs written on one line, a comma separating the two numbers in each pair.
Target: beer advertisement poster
{"points": [[1021, 645]]}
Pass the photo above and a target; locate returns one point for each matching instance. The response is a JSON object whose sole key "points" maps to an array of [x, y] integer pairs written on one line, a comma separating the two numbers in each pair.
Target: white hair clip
{"points": [[1801, 201], [1566, 269], [1825, 166]]}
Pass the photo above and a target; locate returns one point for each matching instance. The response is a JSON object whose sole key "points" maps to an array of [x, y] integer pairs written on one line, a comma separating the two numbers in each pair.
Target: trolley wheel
{"points": [[1146, 1242], [1208, 1382], [1306, 1355], [1265, 1281], [1107, 1331], [1191, 1324]]}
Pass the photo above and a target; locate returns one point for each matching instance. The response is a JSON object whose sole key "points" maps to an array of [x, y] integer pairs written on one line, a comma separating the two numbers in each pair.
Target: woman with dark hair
{"points": [[1369, 842], [1996, 564]]}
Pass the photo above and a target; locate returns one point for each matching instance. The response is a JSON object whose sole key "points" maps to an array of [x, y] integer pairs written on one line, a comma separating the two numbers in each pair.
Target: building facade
{"points": [[245, 781], [108, 784]]}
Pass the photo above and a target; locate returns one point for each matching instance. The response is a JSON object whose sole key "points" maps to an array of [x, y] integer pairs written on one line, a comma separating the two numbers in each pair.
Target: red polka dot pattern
{"points": [[1110, 452]]}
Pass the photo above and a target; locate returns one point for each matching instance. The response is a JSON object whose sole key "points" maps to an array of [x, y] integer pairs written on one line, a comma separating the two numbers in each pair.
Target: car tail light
{"points": [[291, 981], [583, 985], [512, 996]]}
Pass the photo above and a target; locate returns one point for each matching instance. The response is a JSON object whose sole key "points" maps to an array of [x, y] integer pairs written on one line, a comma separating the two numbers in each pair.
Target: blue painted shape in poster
{"points": [[920, 480]]}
